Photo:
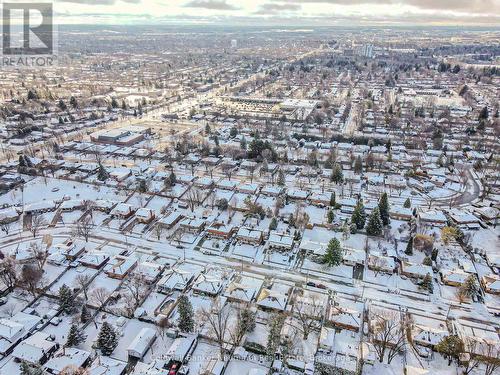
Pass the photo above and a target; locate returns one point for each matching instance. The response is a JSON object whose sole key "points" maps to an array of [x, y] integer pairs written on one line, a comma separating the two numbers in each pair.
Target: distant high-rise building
{"points": [[367, 50], [234, 43]]}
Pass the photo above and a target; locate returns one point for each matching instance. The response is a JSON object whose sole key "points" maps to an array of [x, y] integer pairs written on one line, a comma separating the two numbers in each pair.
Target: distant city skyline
{"points": [[274, 12]]}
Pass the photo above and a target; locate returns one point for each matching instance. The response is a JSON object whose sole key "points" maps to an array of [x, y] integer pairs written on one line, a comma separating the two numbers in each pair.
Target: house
{"points": [[8, 215], [72, 205], [95, 259], [491, 283], [453, 277], [192, 225], [296, 194], [309, 303], [488, 214], [274, 297], [120, 266], [14, 329], [144, 215], [427, 336], [170, 220], [221, 230], [69, 357], [320, 199], [280, 241], [243, 288], [464, 220], [181, 348], [69, 248], [400, 213], [344, 317], [432, 218], [150, 271], [247, 188], [249, 235], [177, 278], [378, 262], [352, 257], [347, 205], [417, 271], [103, 205], [36, 349], [40, 207], [141, 343], [210, 282], [122, 211], [272, 191], [104, 365]]}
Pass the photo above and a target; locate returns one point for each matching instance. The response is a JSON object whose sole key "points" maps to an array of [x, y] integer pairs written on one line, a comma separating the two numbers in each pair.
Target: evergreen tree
{"points": [[22, 161], [337, 176], [358, 165], [273, 224], [66, 299], [73, 102], [407, 203], [274, 335], [233, 132], [29, 369], [207, 129], [281, 178], [186, 321], [333, 255], [114, 103], [107, 339], [469, 288], [409, 247], [450, 347], [427, 283], [383, 206], [333, 200], [434, 254], [359, 215], [62, 105], [427, 261], [32, 95], [85, 314], [375, 225], [483, 115], [102, 174], [243, 143], [330, 216], [75, 336]]}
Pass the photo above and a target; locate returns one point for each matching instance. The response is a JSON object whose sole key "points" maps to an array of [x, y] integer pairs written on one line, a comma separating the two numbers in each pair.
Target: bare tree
{"points": [[74, 370], [100, 296], [245, 322], [137, 287], [84, 228], [8, 272], [490, 356], [227, 169], [39, 254], [31, 278], [470, 347], [308, 312], [37, 222], [82, 280], [162, 326], [217, 319], [194, 198], [158, 229], [5, 227], [388, 334]]}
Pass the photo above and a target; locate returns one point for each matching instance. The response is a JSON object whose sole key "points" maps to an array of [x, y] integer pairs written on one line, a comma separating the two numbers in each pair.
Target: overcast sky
{"points": [[281, 12]]}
